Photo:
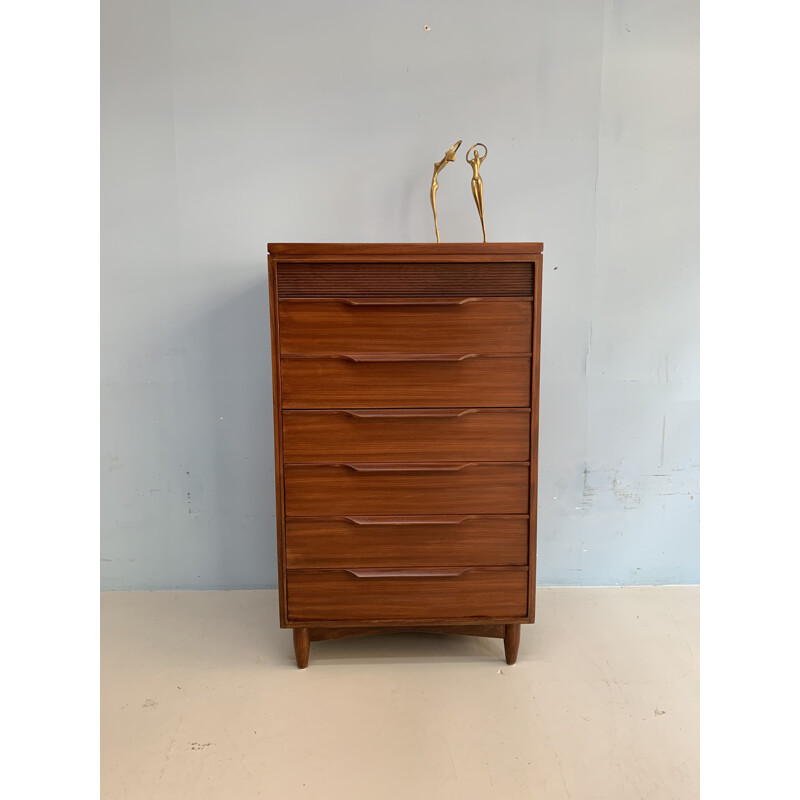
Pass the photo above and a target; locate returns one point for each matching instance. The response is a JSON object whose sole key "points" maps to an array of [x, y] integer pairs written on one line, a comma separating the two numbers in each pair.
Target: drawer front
{"points": [[346, 489], [407, 541], [453, 380], [385, 434], [478, 325], [406, 279], [382, 595]]}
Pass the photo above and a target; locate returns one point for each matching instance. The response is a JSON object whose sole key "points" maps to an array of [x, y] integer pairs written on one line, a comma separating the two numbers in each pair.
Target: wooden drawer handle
{"points": [[442, 572], [441, 520], [451, 413], [361, 358], [438, 301], [408, 467]]}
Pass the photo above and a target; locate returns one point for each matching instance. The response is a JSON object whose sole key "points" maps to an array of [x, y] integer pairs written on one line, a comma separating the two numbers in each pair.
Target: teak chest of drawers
{"points": [[406, 400]]}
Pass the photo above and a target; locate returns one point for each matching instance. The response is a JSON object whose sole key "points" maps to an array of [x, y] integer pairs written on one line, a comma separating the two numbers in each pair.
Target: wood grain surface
{"points": [[470, 488], [339, 595], [406, 541], [489, 252], [405, 325], [449, 434], [342, 383]]}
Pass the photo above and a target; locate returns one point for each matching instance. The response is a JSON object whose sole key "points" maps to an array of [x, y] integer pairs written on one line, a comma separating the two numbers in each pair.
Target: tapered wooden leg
{"points": [[511, 642], [302, 643]]}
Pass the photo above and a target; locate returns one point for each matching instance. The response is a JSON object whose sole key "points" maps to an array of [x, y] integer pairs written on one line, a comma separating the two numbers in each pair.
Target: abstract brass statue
{"points": [[450, 155], [477, 182]]}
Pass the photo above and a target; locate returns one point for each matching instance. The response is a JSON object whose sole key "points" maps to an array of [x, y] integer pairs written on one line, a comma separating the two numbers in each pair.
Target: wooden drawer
{"points": [[479, 276], [407, 541], [398, 595], [419, 325], [418, 434], [365, 381], [466, 488]]}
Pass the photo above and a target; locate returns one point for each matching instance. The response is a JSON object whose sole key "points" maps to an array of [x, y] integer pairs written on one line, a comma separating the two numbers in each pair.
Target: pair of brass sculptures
{"points": [[477, 182]]}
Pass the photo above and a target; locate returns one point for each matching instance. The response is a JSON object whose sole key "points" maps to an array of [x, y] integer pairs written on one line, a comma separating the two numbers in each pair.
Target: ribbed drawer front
{"points": [[440, 488], [364, 595], [417, 434], [454, 379], [407, 325], [300, 279], [407, 541]]}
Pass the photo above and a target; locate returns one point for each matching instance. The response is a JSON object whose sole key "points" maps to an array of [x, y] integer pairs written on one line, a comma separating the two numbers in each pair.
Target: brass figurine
{"points": [[477, 182], [450, 155]]}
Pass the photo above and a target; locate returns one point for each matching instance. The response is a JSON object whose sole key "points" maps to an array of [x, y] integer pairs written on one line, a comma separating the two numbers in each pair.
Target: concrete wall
{"points": [[227, 124]]}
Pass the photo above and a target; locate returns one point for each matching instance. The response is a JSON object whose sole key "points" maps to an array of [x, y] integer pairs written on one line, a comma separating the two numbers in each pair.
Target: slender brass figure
{"points": [[450, 155], [477, 182]]}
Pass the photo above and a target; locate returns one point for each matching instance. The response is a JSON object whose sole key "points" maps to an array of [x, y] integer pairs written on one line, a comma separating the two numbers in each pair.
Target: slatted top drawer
{"points": [[308, 279]]}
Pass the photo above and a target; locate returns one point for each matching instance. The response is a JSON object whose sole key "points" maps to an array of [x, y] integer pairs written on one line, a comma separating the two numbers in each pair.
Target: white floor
{"points": [[201, 699]]}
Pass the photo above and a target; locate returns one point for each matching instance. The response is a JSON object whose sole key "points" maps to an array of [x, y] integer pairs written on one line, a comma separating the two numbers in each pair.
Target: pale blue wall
{"points": [[230, 123]]}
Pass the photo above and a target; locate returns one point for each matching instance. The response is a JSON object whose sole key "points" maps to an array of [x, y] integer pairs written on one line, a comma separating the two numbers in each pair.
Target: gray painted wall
{"points": [[227, 124]]}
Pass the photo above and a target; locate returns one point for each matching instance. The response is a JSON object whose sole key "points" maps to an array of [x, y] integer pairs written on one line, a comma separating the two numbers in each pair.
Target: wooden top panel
{"points": [[425, 251]]}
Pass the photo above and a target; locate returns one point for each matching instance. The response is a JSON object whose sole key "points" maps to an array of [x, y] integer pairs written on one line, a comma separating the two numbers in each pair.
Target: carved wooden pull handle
{"points": [[434, 301], [442, 572], [440, 520], [408, 467], [402, 413], [385, 357]]}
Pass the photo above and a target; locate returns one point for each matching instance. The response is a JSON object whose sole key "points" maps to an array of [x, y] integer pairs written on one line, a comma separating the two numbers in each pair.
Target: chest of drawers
{"points": [[406, 385]]}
